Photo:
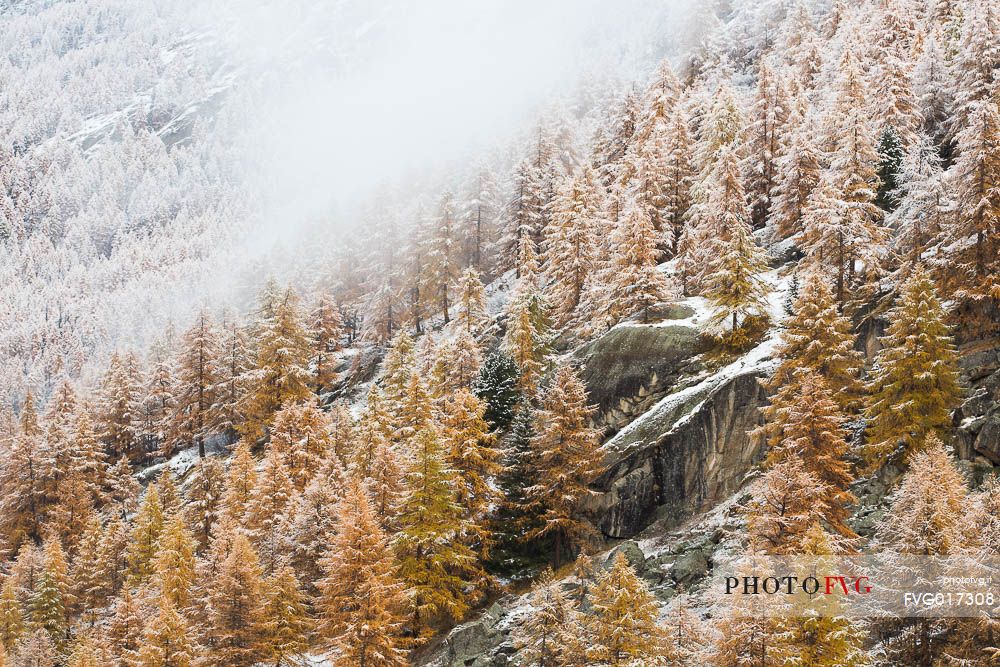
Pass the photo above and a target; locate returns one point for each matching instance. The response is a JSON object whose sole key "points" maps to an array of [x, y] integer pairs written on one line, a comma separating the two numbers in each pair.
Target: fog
{"points": [[344, 98]]}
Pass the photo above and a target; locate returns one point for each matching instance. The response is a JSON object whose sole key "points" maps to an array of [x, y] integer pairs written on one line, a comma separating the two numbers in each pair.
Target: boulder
{"points": [[632, 365]]}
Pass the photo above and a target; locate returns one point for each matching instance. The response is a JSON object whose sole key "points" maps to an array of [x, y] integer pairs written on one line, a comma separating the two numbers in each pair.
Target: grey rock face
{"points": [[681, 461], [628, 368]]}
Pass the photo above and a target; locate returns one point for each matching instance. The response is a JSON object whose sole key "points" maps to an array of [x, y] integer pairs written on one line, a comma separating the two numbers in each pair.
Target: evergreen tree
{"points": [[624, 624], [496, 386], [914, 384], [890, 163], [567, 459], [26, 479], [117, 398], [361, 601], [514, 517]]}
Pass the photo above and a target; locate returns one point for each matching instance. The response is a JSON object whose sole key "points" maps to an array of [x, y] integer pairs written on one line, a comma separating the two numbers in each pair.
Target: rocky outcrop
{"points": [[978, 418], [631, 366], [682, 457]]}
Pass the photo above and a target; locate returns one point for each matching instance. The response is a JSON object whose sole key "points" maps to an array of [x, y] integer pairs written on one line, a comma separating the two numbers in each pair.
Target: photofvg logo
{"points": [[792, 585], [883, 585]]}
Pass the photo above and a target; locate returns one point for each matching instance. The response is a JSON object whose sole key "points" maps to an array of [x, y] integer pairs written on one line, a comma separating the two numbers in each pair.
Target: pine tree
{"points": [[326, 331], [976, 58], [113, 552], [174, 563], [11, 616], [818, 338], [287, 620], [433, 562], [197, 376], [736, 290], [87, 653], [974, 266], [236, 622], [546, 636], [805, 423], [890, 163], [146, 529], [126, 629], [301, 433], [232, 365], [281, 368], [241, 479], [914, 384], [361, 601], [267, 508], [385, 483], [472, 313], [205, 495], [514, 517], [765, 141], [567, 460], [496, 387], [473, 457], [166, 640], [624, 623], [634, 282], [569, 249], [925, 200], [48, 605]]}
